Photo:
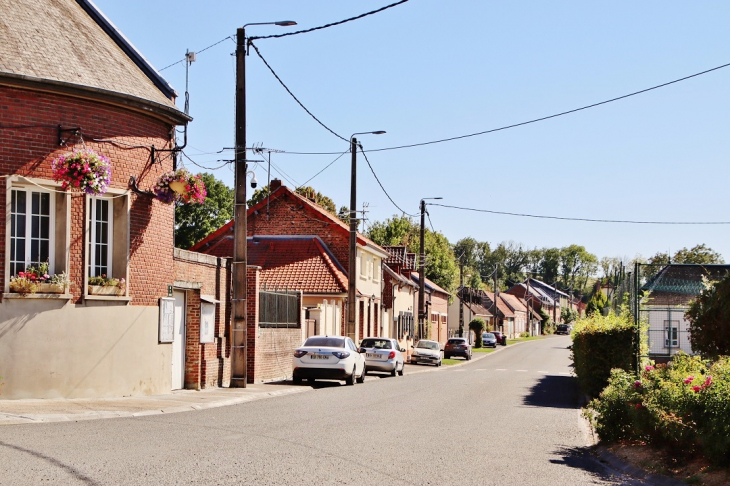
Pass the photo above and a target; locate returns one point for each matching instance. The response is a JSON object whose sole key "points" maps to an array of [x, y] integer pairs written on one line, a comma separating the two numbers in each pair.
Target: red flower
{"points": [[696, 389]]}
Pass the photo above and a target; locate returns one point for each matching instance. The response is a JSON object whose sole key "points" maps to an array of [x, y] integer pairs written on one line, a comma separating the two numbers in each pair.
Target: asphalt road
{"points": [[511, 418]]}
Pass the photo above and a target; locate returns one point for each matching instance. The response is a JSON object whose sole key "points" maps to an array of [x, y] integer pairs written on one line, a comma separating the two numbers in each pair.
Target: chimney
{"points": [[275, 184]]}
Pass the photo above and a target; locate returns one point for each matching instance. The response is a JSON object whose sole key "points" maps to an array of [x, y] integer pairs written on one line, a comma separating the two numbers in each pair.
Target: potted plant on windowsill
{"points": [[180, 186], [37, 280], [103, 285]]}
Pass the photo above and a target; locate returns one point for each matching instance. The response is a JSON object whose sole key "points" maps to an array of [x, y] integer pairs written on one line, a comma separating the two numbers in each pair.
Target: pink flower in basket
{"points": [[83, 169]]}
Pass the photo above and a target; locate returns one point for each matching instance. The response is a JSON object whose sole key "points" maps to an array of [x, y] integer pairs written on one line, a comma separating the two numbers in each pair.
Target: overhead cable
{"points": [[197, 52], [324, 168], [582, 219], [292, 95], [381, 185], [276, 36]]}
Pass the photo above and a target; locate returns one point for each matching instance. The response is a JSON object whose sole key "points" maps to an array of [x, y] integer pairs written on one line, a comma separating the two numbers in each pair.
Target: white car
{"points": [[426, 352], [328, 358], [383, 354]]}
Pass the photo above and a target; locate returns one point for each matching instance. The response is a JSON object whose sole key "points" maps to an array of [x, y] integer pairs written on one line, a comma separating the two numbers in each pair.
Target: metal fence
{"points": [[280, 308]]}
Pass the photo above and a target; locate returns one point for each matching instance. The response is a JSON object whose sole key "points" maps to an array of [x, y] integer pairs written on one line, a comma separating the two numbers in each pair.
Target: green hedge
{"points": [[600, 344], [684, 406]]}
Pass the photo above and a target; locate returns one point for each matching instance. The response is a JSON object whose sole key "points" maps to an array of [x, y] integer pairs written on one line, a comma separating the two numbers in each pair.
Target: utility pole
{"points": [[238, 307], [350, 331], [422, 276], [461, 299]]}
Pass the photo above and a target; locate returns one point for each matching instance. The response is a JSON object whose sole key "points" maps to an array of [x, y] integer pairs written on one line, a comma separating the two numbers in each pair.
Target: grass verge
{"points": [[483, 350]]}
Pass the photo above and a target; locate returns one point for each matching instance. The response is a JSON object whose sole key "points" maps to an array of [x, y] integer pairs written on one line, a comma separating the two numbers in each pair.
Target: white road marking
{"points": [[564, 374], [500, 369], [544, 372], [523, 371]]}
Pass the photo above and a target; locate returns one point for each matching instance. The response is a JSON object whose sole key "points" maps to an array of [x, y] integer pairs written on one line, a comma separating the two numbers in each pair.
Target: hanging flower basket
{"points": [[180, 186], [83, 170]]}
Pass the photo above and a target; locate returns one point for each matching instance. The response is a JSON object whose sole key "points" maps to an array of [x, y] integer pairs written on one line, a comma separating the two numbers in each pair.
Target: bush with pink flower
{"points": [[180, 186], [684, 405], [83, 170]]}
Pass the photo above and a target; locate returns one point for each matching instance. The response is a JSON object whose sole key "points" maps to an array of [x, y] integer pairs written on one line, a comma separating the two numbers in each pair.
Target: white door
{"points": [[178, 343]]}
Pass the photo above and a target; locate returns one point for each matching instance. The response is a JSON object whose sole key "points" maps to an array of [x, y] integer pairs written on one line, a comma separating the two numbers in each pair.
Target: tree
{"points": [[193, 222], [699, 254], [576, 266], [596, 304], [398, 230], [550, 265], [709, 317], [477, 325], [568, 315]]}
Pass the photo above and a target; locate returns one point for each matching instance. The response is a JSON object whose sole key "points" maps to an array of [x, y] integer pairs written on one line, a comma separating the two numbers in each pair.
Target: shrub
{"points": [[684, 405], [600, 344], [709, 317], [477, 325]]}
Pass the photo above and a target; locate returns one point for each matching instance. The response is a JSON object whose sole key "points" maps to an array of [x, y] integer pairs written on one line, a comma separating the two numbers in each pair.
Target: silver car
{"points": [[426, 352], [382, 354]]}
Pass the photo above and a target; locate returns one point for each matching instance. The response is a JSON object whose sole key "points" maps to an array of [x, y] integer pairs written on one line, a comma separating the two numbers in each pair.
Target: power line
{"points": [[226, 162], [324, 168], [583, 219], [197, 52], [276, 36], [528, 122], [292, 94], [380, 184]]}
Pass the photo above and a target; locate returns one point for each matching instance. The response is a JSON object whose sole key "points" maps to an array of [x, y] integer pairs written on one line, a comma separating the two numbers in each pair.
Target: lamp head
{"points": [[285, 23]]}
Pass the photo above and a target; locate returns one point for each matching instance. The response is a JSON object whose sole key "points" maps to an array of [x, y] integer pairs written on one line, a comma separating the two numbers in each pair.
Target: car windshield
{"points": [[329, 342], [488, 335], [456, 341], [376, 343], [427, 345]]}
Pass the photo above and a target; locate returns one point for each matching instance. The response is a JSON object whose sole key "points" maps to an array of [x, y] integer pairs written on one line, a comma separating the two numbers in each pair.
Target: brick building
{"points": [[87, 86]]}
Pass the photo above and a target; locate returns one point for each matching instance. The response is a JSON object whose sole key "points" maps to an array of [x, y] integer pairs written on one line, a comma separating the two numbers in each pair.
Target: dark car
{"points": [[489, 340], [563, 329], [457, 347], [501, 338]]}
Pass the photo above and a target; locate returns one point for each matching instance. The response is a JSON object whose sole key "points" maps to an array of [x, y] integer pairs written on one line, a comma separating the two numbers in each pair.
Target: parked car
{"points": [[501, 338], [564, 329], [383, 354], [457, 347], [489, 340], [328, 358], [426, 352]]}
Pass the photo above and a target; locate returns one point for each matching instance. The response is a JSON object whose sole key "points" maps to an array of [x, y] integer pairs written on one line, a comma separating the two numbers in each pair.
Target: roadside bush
{"points": [[600, 344], [477, 325], [684, 406], [709, 317]]}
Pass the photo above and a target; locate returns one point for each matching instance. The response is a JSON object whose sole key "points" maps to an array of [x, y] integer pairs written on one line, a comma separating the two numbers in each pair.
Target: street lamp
{"points": [[422, 270], [350, 329], [239, 333]]}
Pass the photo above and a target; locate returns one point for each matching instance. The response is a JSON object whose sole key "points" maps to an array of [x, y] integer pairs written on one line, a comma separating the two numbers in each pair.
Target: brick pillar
{"points": [[252, 321]]}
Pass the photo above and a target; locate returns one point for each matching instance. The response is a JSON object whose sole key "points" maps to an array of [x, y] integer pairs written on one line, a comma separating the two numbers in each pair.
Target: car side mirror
{"points": [[361, 350], [402, 350]]}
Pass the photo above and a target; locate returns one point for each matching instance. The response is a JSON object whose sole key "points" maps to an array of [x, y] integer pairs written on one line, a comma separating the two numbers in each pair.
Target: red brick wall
{"points": [[29, 152], [206, 364], [270, 350]]}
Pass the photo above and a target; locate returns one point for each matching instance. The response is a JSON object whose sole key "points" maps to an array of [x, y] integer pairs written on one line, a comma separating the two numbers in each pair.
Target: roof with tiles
{"points": [[72, 42], [296, 263], [478, 309], [428, 284], [213, 240], [514, 302], [503, 310]]}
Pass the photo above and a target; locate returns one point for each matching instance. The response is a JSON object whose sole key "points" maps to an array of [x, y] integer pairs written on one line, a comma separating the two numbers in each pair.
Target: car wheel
{"points": [[310, 381], [352, 378], [447, 356], [361, 378], [438, 363], [402, 368], [395, 370], [468, 357]]}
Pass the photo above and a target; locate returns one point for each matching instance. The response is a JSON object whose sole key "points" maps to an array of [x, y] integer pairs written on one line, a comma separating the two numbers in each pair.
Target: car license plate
{"points": [[372, 355], [320, 356]]}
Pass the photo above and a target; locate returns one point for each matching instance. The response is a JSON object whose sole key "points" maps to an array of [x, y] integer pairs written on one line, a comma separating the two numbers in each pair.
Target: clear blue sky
{"points": [[432, 69]]}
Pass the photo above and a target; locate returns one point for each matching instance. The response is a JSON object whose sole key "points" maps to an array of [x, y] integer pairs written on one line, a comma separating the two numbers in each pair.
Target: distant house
{"points": [[437, 310], [471, 303], [550, 299], [521, 319], [670, 292]]}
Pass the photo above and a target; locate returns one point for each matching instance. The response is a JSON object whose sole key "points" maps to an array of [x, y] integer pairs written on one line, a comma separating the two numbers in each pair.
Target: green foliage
{"points": [[577, 264], [568, 315], [684, 406], [698, 254], [193, 222], [596, 303], [600, 344], [398, 230], [477, 325], [709, 317]]}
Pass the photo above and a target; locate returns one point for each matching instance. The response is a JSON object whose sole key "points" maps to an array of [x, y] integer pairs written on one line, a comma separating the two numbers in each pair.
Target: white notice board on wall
{"points": [[207, 322], [167, 319]]}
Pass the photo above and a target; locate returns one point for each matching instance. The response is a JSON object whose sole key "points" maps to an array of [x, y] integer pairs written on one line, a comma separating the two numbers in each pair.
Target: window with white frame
{"points": [[376, 269], [101, 225], [107, 236], [32, 228], [671, 334], [363, 265]]}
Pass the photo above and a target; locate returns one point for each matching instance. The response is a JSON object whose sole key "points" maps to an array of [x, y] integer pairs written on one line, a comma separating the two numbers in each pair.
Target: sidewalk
{"points": [[15, 412]]}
